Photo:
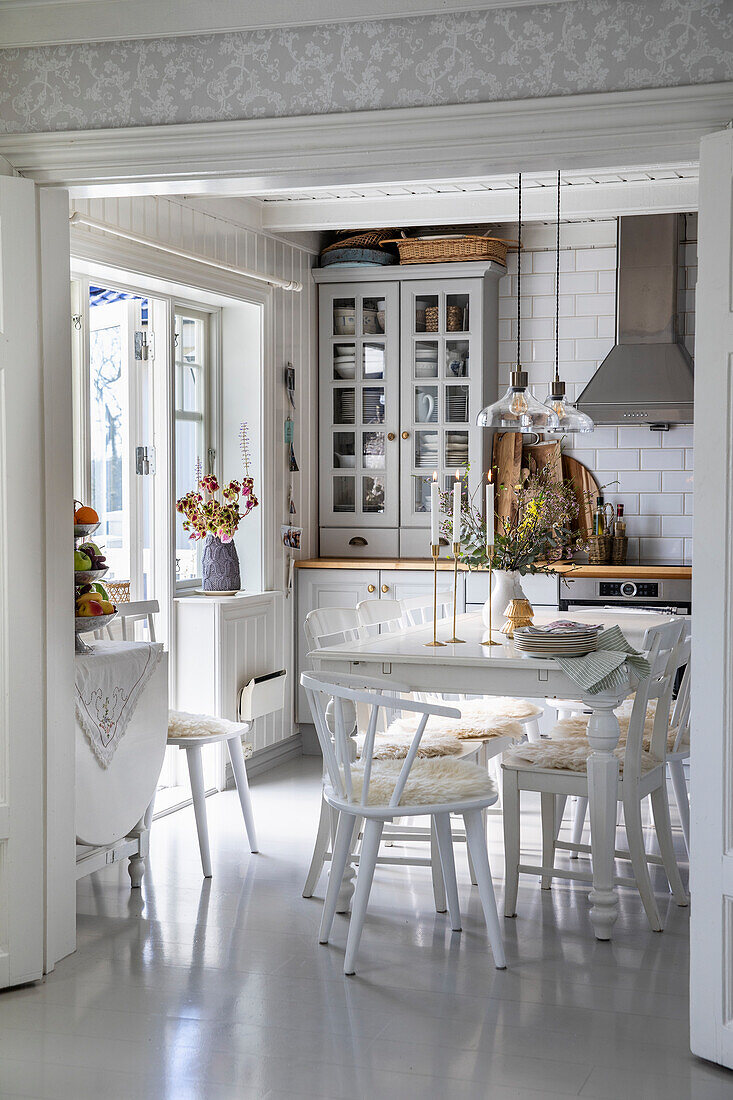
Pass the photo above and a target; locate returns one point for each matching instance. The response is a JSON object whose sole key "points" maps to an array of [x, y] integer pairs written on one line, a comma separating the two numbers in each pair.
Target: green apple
{"points": [[81, 560]]}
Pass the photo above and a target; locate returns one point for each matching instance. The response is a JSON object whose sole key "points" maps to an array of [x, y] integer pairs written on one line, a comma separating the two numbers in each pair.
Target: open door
{"points": [[711, 770], [36, 585]]}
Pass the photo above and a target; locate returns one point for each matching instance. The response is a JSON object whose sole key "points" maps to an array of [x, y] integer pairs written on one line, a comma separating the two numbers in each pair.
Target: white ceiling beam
{"points": [[596, 200], [61, 22], [253, 156]]}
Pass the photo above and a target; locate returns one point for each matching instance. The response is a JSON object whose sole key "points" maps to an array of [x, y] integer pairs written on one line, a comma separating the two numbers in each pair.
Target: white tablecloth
{"points": [[109, 681]]}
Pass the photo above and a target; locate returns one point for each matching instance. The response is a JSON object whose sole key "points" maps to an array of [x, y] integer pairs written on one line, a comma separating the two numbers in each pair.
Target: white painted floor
{"points": [[219, 990]]}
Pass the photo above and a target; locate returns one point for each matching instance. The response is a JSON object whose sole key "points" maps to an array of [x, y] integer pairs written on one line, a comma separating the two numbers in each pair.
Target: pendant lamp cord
{"points": [[557, 286], [519, 276]]}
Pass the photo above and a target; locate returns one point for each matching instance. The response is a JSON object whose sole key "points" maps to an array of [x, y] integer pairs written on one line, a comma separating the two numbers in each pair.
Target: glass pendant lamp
{"points": [[569, 419], [518, 410]]}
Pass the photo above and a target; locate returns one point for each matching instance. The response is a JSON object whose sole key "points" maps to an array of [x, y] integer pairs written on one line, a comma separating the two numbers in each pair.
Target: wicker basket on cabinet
{"points": [[417, 250]]}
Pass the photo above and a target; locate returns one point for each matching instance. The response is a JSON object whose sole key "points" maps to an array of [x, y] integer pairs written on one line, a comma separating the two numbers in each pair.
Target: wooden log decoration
{"points": [[507, 461], [545, 455]]}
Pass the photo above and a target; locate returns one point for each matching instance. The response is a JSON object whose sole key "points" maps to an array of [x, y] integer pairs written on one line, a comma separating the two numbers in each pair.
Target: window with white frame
{"points": [[192, 368]]}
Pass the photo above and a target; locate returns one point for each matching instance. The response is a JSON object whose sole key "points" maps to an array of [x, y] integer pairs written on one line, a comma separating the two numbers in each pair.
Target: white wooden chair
{"points": [[127, 615], [378, 791], [340, 624], [190, 732], [678, 751], [544, 769]]}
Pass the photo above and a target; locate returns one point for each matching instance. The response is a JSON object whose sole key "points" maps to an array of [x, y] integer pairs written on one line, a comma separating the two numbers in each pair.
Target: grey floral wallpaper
{"points": [[559, 49]]}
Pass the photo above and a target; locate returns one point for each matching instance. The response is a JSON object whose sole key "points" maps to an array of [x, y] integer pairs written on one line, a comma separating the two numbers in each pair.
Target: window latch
{"points": [[144, 461], [144, 345]]}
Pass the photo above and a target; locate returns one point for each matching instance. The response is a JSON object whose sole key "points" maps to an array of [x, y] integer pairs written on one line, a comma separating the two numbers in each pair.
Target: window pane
{"points": [[189, 446], [190, 402], [373, 494], [108, 413]]}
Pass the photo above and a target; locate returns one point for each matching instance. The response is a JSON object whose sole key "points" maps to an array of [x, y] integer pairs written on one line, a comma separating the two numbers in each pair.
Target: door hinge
{"points": [[144, 345], [76, 321], [144, 460]]}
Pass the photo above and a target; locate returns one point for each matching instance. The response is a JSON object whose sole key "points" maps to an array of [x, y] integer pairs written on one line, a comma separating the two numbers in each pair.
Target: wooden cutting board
{"points": [[542, 455], [586, 490], [507, 462]]}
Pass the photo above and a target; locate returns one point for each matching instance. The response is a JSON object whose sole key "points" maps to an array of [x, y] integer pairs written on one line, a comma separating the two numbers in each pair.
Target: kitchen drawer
{"points": [[357, 542], [415, 543], [539, 588]]}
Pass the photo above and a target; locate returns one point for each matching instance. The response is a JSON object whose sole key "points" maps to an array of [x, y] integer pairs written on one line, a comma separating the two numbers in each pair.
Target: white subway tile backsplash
{"points": [[689, 504], [689, 458], [677, 525], [645, 526], [545, 261], [617, 460], [677, 481], [688, 552], [595, 259], [633, 435], [595, 305], [580, 327], [543, 305], [606, 327], [630, 502], [658, 459], [661, 504], [679, 435], [538, 328], [602, 437], [607, 282], [661, 550], [587, 457], [537, 284], [579, 282], [645, 481], [593, 349]]}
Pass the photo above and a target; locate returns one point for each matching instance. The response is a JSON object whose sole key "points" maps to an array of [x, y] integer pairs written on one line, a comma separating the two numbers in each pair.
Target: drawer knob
{"points": [[390, 436], [405, 435], [385, 588], [371, 588], [358, 540]]}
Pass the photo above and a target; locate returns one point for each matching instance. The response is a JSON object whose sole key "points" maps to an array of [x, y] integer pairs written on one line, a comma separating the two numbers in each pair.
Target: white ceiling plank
{"points": [[578, 133], [596, 200], [60, 22]]}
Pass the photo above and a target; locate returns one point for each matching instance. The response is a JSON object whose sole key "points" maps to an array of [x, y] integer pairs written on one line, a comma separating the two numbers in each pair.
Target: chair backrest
{"points": [[331, 625], [384, 615], [130, 613], [417, 610], [663, 650], [337, 746], [680, 720]]}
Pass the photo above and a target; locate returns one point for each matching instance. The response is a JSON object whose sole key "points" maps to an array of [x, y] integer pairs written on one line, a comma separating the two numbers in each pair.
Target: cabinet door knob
{"points": [[385, 588], [371, 588], [390, 436], [405, 435]]}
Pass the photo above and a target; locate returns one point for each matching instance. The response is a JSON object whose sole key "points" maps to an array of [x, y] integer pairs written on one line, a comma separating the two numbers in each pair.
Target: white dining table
{"points": [[475, 669]]}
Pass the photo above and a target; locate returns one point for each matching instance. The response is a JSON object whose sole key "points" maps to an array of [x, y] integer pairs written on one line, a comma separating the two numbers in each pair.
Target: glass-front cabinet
{"points": [[407, 358], [359, 403]]}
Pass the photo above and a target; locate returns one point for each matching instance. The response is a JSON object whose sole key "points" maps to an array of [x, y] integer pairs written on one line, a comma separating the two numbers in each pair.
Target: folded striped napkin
{"points": [[605, 668]]}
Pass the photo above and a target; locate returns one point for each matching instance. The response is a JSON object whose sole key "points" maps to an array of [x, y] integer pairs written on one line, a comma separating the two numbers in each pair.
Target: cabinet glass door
{"points": [[359, 365], [442, 389]]}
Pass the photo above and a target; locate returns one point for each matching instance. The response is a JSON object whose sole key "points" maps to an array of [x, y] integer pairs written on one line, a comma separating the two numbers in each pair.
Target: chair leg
{"points": [[560, 803], [320, 850], [635, 837], [444, 836], [662, 824], [547, 800], [234, 745], [436, 870], [476, 838], [367, 863], [198, 793], [679, 786], [341, 852], [510, 813], [581, 809], [533, 730]]}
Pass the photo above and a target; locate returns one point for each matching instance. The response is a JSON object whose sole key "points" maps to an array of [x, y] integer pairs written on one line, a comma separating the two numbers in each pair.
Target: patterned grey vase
{"points": [[220, 566]]}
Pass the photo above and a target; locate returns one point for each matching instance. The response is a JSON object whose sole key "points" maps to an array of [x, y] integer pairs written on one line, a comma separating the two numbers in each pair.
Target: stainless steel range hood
{"points": [[647, 377]]}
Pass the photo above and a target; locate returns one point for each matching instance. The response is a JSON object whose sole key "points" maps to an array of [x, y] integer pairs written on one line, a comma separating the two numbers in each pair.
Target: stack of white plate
{"points": [[426, 361], [345, 406], [457, 403], [556, 643], [427, 449], [344, 362], [456, 448]]}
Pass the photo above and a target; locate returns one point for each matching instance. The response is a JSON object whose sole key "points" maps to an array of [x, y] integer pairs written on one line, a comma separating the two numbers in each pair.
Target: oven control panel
{"points": [[643, 590]]}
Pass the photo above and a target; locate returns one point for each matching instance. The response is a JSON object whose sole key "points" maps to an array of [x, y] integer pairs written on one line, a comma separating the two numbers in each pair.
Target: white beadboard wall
{"points": [[653, 469], [218, 237]]}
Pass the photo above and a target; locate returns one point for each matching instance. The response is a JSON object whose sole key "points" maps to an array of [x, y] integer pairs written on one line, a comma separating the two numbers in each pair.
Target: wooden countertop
{"points": [[568, 569]]}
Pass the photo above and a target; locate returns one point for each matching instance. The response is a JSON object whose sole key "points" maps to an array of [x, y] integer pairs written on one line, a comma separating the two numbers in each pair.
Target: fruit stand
{"points": [[93, 607]]}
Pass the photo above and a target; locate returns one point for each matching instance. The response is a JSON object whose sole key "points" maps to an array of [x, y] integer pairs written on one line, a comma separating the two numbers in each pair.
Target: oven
{"points": [[662, 595]]}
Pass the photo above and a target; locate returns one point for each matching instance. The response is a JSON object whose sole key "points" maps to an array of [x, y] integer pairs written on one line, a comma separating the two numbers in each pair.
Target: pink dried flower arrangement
{"points": [[211, 509]]}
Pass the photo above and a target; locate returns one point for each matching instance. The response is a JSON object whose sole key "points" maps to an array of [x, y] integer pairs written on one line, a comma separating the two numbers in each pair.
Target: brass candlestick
{"points": [[490, 640], [456, 552], [435, 550]]}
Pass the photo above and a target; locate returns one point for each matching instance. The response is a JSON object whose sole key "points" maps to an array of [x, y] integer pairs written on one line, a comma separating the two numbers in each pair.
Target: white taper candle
{"points": [[489, 510], [434, 511], [457, 508]]}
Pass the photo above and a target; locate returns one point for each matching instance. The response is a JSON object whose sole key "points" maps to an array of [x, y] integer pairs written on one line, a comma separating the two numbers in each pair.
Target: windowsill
{"points": [[245, 594]]}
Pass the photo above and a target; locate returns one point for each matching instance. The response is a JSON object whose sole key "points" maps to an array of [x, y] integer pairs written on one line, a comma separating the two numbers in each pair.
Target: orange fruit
{"points": [[85, 514]]}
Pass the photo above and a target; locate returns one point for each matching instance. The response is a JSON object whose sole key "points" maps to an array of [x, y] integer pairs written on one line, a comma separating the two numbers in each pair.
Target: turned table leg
{"points": [[603, 735]]}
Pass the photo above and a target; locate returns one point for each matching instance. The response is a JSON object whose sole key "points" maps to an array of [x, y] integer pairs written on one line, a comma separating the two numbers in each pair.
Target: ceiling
{"points": [[585, 196]]}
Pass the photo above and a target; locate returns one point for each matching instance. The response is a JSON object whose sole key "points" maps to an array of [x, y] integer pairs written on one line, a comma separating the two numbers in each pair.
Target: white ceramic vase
{"points": [[507, 586]]}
